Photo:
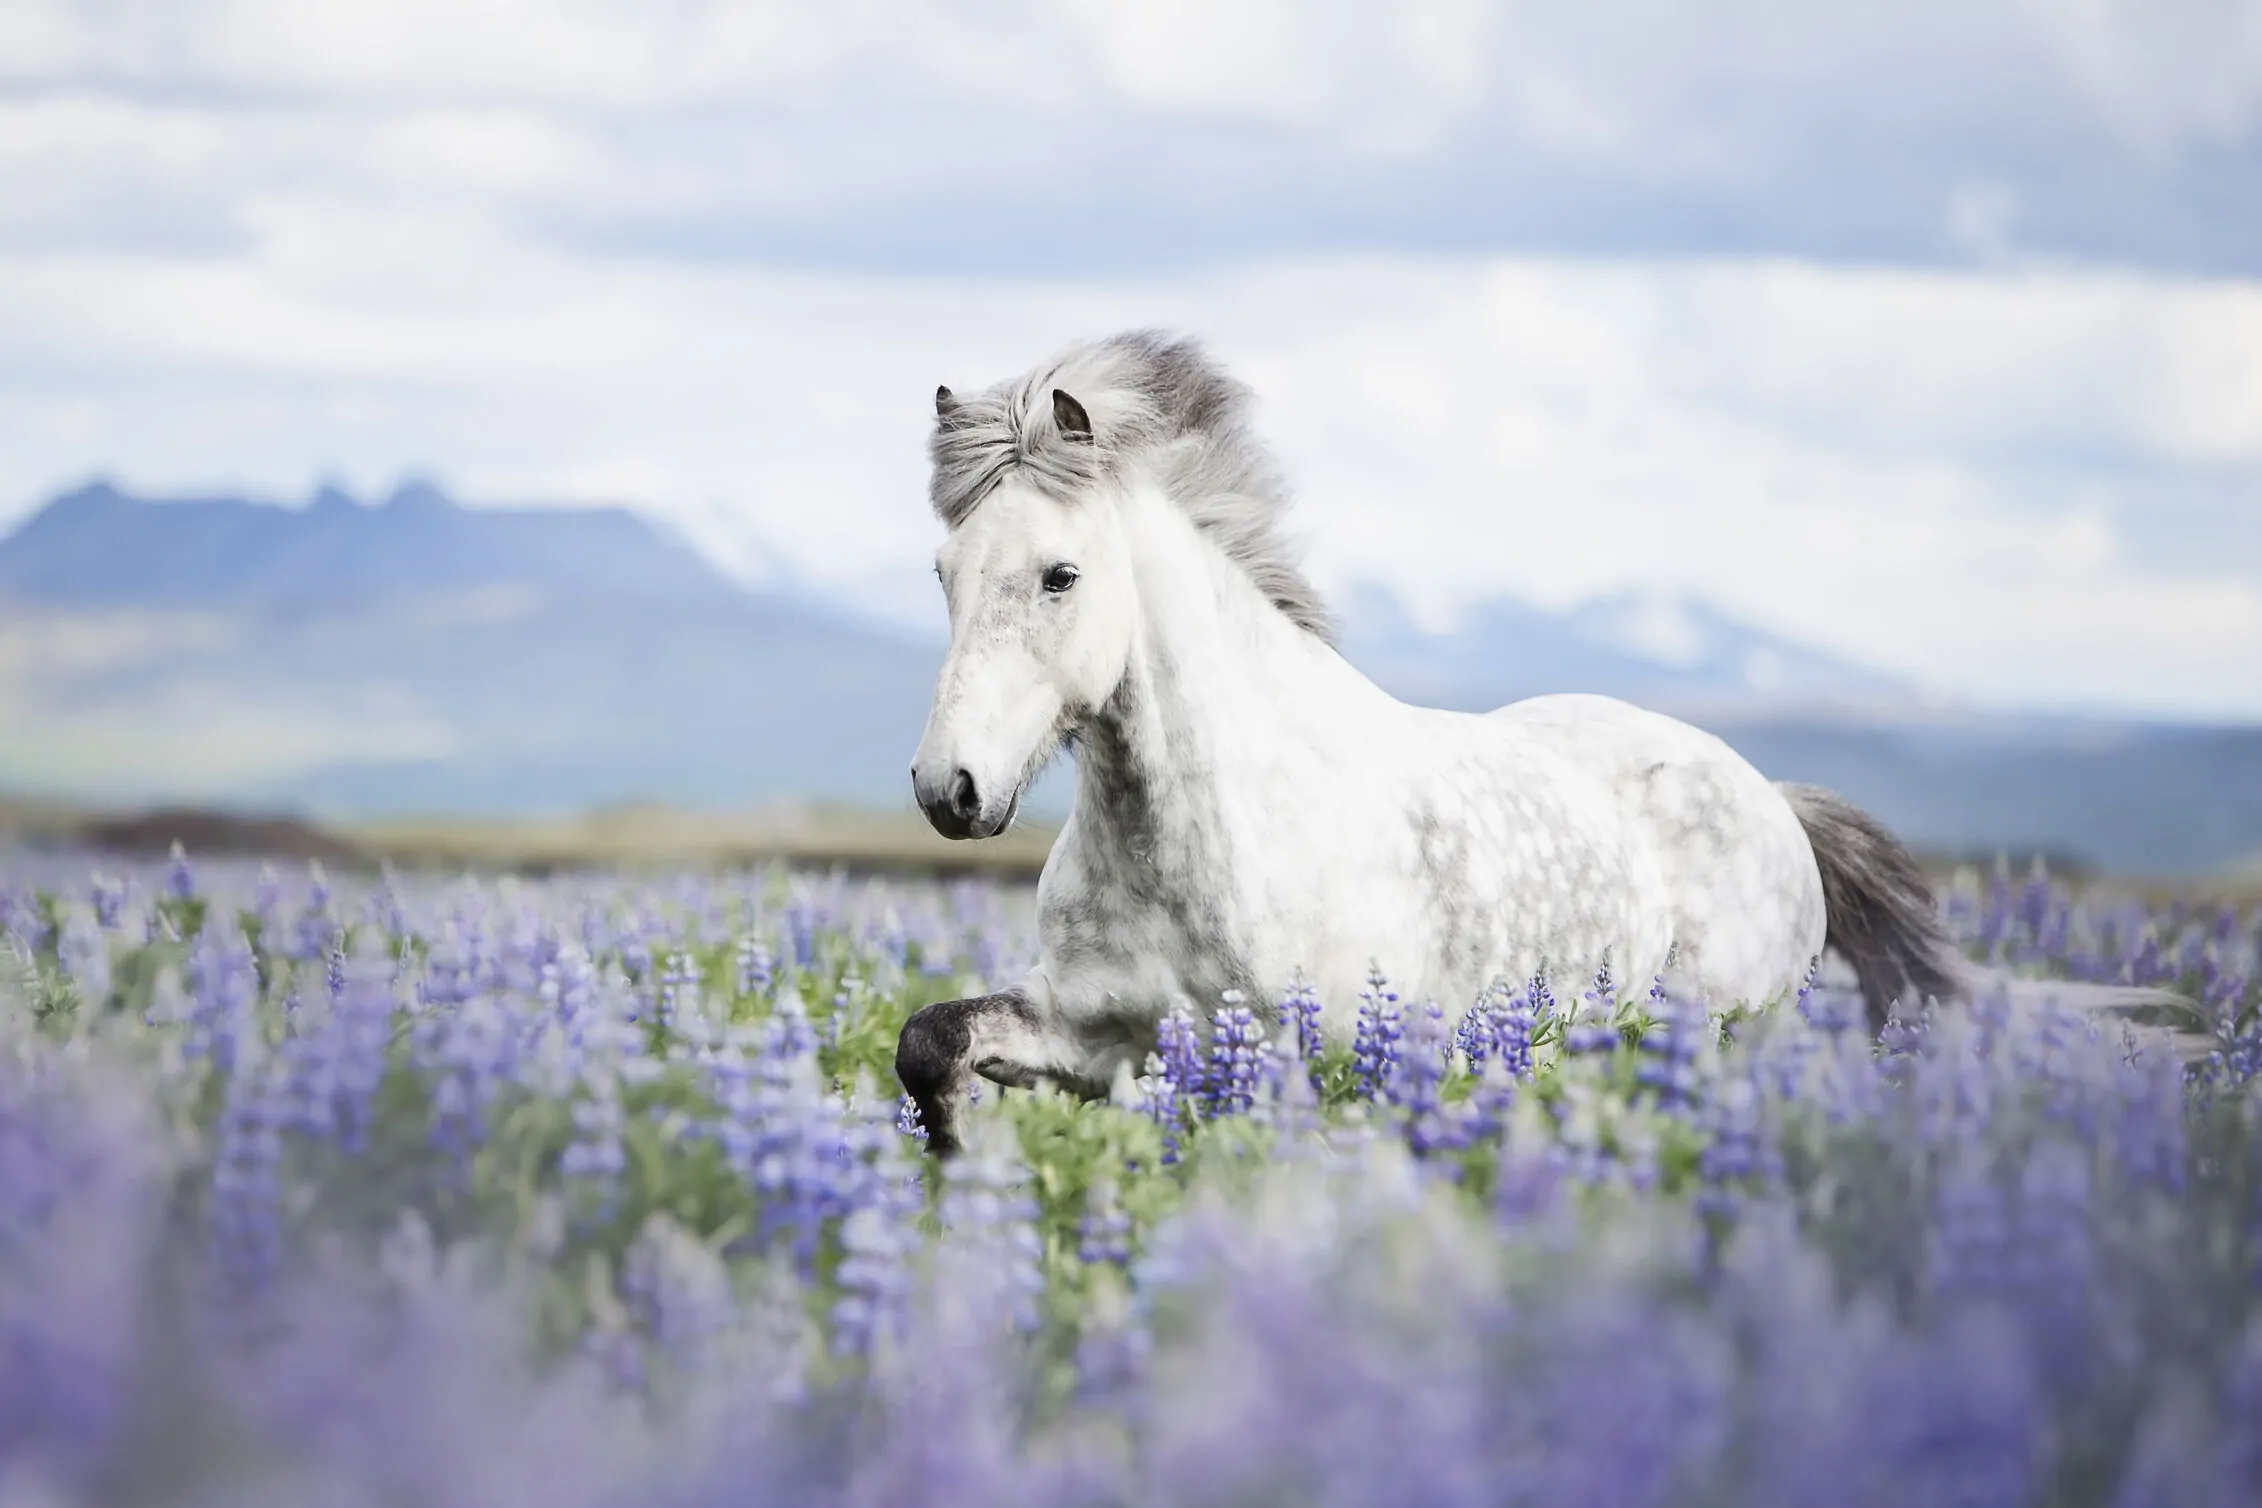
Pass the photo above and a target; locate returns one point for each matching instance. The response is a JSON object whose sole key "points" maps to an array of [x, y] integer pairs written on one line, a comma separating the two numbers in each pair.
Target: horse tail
{"points": [[1881, 918], [1878, 908]]}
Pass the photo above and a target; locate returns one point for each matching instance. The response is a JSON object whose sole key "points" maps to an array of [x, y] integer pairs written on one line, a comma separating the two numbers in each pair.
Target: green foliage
{"points": [[578, 1234]]}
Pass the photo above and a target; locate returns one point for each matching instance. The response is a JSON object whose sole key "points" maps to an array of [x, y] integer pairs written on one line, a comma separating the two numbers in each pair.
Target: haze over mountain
{"points": [[414, 655], [1661, 650], [420, 656], [97, 545]]}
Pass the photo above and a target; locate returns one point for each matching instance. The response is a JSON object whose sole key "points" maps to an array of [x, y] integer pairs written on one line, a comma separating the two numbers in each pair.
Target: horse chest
{"points": [[1117, 926]]}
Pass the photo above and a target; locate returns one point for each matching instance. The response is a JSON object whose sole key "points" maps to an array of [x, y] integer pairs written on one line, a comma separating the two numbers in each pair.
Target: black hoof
{"points": [[930, 1059]]}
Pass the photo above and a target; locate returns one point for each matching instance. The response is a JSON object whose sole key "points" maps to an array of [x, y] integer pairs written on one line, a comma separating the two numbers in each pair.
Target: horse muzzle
{"points": [[958, 807]]}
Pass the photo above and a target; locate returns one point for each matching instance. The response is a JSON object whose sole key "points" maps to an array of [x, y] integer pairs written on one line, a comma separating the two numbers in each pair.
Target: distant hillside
{"points": [[417, 657], [2127, 798], [1660, 650], [99, 546]]}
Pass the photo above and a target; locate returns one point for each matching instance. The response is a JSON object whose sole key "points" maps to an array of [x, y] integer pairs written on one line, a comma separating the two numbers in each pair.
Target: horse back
{"points": [[1735, 867]]}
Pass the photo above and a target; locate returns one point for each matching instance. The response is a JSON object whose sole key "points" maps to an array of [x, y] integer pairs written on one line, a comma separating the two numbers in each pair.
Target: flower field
{"points": [[598, 1189]]}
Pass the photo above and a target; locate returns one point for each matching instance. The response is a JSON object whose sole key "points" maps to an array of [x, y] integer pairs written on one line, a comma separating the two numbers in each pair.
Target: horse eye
{"points": [[1060, 578]]}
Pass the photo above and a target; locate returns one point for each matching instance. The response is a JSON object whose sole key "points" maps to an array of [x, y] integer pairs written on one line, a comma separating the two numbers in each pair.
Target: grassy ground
{"points": [[649, 836], [641, 836]]}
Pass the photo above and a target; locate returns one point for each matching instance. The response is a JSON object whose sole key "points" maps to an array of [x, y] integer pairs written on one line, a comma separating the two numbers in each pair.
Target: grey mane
{"points": [[1153, 399]]}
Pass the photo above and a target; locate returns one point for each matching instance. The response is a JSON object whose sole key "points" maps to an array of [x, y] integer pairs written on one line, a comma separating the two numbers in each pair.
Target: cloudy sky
{"points": [[1931, 333]]}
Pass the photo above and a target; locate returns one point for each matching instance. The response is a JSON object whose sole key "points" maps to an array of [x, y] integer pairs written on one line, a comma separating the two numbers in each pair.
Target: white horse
{"points": [[1251, 810]]}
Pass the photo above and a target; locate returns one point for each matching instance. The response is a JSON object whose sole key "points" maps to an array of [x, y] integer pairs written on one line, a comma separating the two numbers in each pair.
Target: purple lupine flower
{"points": [[362, 1019], [2241, 1451], [1514, 1019], [739, 1100], [450, 968], [788, 1037], [180, 878], [989, 1217], [224, 991], [1586, 1035], [848, 1006], [267, 903], [1827, 1007], [874, 1279], [1173, 1084], [84, 953], [1497, 1030], [2053, 1267], [20, 920], [756, 968], [636, 951], [1739, 1150], [1670, 1048], [1235, 1043], [1103, 1235], [245, 1209], [678, 1291], [1594, 1029], [1114, 1348], [468, 1055], [1472, 1036], [798, 1155], [1160, 1099], [1178, 1043], [596, 1152], [85, 1175], [1602, 994], [1970, 1242], [879, 1234], [317, 931], [2053, 943], [1300, 1016], [2034, 905], [801, 932], [109, 898], [681, 1011], [1374, 1049], [1527, 1183], [1995, 920], [1424, 1060], [389, 908], [1287, 1097]]}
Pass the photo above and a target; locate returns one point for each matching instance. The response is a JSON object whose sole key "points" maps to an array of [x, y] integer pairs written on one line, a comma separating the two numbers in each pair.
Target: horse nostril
{"points": [[965, 803]]}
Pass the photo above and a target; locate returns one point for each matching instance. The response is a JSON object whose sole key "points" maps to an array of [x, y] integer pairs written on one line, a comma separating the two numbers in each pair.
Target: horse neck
{"points": [[1218, 682]]}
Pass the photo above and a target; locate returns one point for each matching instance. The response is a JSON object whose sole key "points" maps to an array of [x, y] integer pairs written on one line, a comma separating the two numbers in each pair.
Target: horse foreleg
{"points": [[1006, 1038]]}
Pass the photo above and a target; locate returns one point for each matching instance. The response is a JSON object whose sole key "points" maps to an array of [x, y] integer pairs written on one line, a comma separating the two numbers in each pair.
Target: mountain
{"points": [[1660, 650], [2124, 797], [422, 656], [97, 545], [416, 656]]}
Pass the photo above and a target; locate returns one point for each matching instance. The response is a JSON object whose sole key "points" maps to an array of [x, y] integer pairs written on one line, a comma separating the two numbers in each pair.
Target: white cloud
{"points": [[2164, 72], [1959, 128], [600, 251], [1869, 459]]}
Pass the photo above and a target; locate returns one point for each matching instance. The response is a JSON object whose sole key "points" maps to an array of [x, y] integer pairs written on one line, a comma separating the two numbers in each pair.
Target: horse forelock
{"points": [[1155, 400]]}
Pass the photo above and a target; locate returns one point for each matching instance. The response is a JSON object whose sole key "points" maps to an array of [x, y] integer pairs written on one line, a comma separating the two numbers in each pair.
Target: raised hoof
{"points": [[930, 1059]]}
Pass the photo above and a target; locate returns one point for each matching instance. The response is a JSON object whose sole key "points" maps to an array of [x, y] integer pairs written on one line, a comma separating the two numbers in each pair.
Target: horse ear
{"points": [[1074, 423], [945, 403]]}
